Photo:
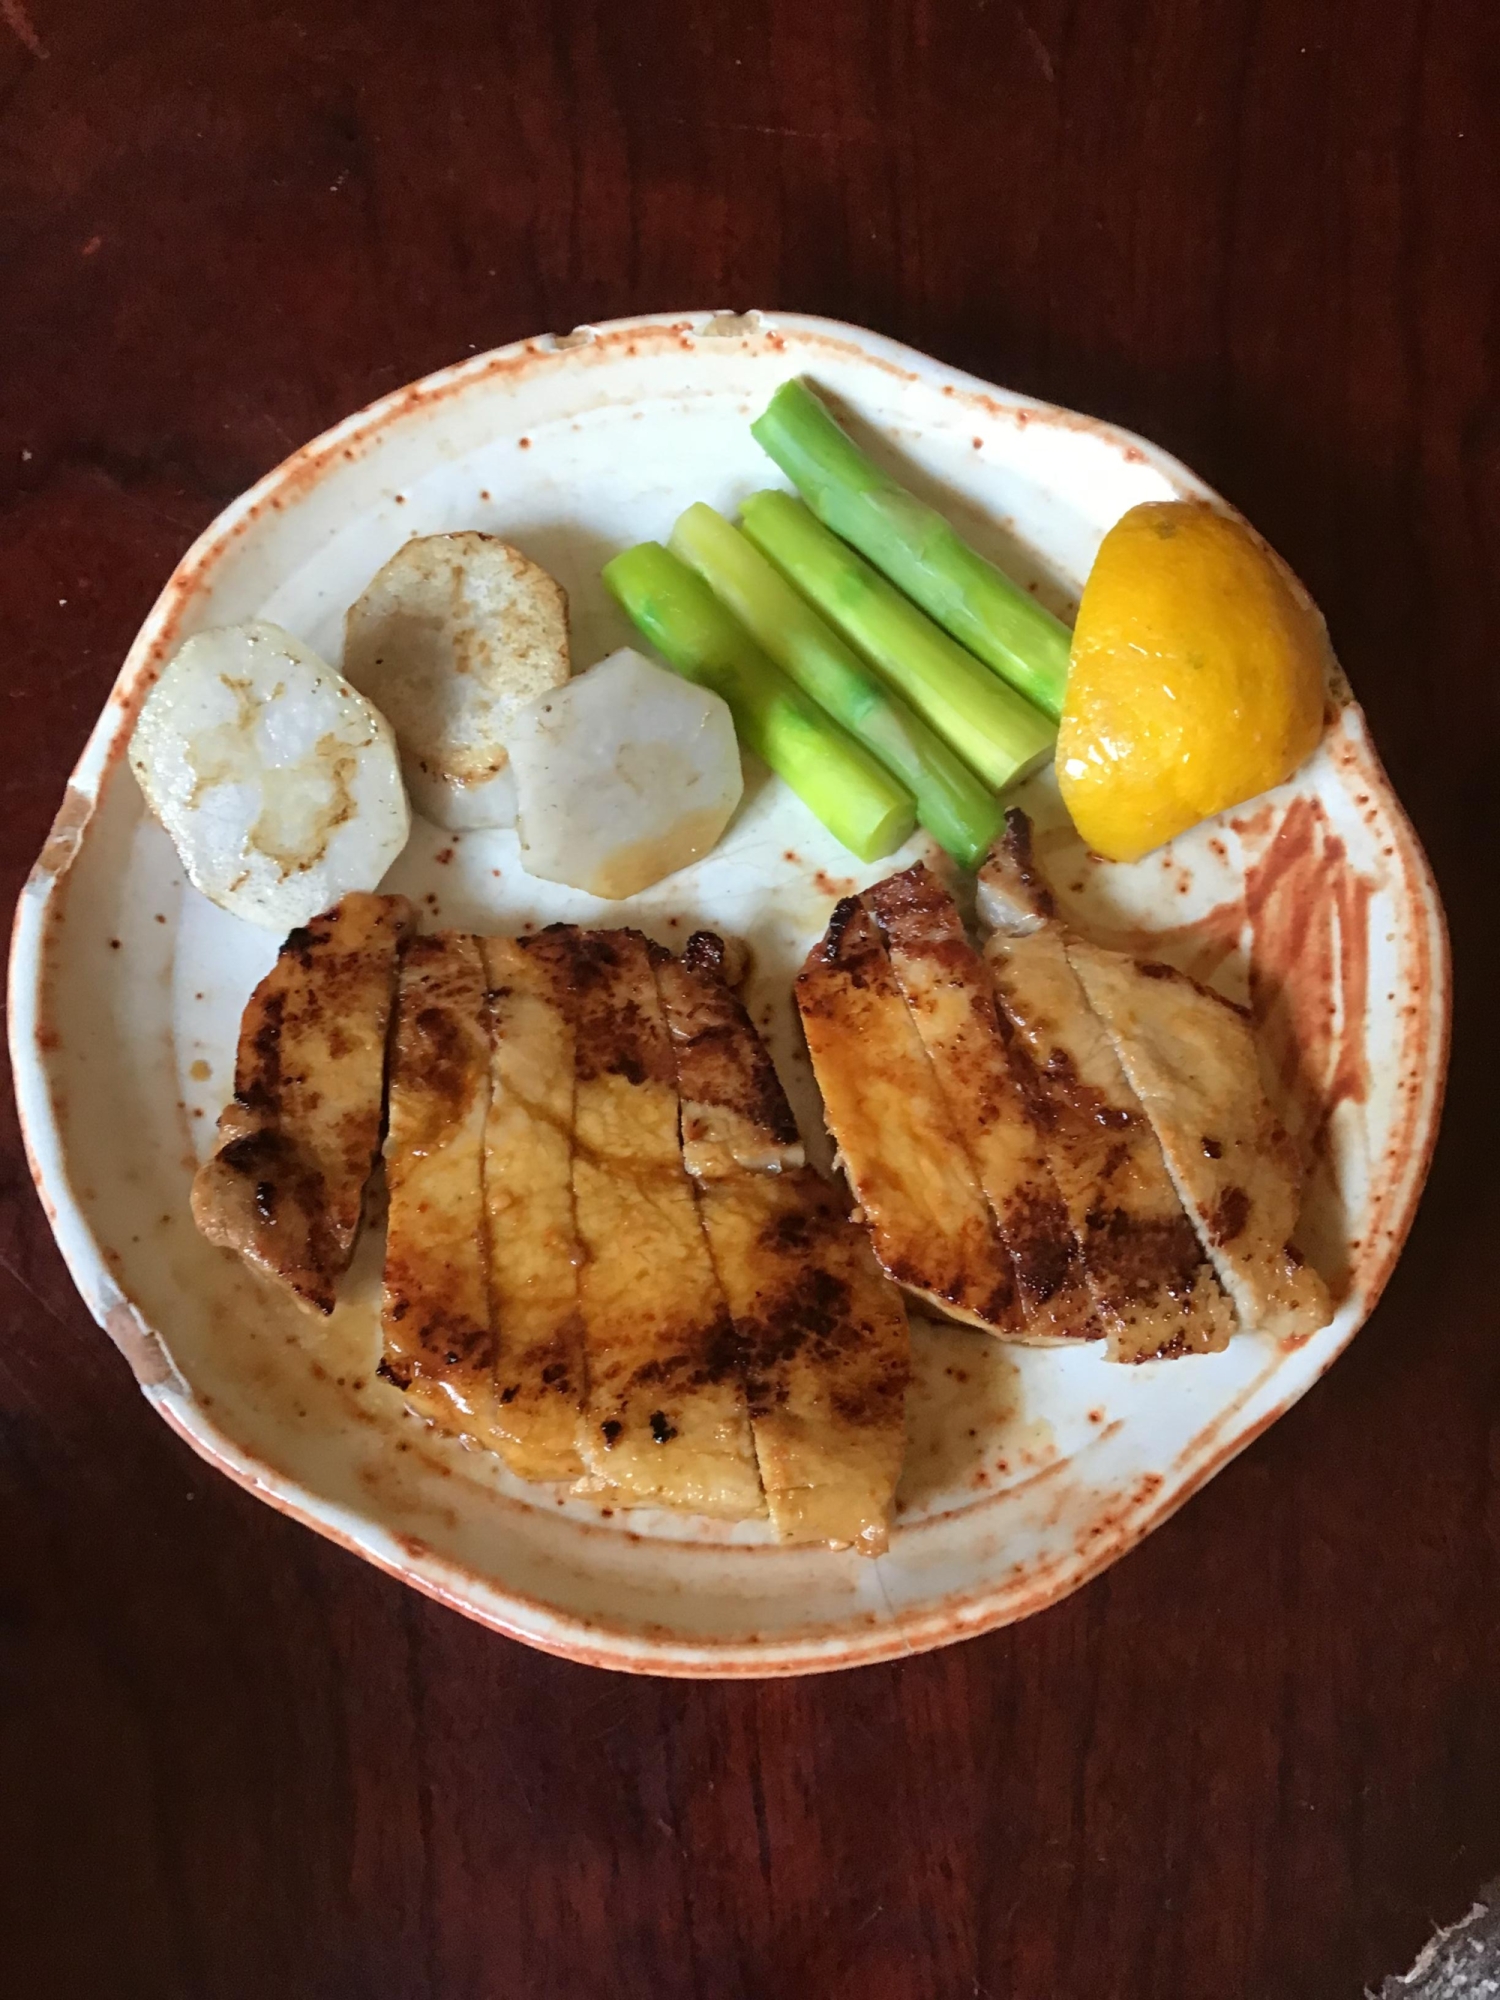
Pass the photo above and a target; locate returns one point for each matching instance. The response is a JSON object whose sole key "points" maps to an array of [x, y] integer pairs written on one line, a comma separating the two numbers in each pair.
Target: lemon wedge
{"points": [[1196, 678]]}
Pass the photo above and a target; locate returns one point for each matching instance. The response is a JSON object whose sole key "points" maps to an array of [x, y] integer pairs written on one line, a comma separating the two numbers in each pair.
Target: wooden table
{"points": [[1262, 1755]]}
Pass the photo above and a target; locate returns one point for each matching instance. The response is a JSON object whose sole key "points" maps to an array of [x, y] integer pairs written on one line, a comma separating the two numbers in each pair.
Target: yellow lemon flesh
{"points": [[1196, 678]]}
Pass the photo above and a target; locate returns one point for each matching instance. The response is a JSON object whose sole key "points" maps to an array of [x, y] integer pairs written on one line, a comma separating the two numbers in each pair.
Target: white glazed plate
{"points": [[1029, 1470]]}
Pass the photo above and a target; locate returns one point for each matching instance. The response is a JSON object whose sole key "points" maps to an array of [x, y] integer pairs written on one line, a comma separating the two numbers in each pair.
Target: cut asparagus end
{"points": [[952, 803], [858, 801]]}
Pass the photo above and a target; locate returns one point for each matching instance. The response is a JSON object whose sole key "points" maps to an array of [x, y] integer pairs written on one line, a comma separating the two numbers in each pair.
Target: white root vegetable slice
{"points": [[452, 636], [625, 775], [277, 781]]}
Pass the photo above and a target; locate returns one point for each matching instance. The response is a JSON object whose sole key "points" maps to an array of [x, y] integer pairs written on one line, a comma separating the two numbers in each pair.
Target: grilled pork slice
{"points": [[823, 1336], [1012, 892], [1190, 1057], [435, 1309], [667, 1420], [285, 1187], [825, 1352], [734, 1111], [951, 1000], [540, 1374], [926, 1211], [1156, 1293]]}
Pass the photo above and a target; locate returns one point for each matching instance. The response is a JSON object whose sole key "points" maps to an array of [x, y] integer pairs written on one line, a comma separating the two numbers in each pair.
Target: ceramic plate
{"points": [[1029, 1470]]}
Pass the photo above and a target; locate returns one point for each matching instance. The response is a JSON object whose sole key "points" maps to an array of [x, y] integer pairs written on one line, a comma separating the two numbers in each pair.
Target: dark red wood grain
{"points": [[1262, 1755]]}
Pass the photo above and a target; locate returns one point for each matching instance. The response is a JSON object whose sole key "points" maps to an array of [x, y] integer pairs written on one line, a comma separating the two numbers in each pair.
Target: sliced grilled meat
{"points": [[931, 1226], [1156, 1293], [435, 1310], [1190, 1057], [295, 1148], [823, 1336], [540, 1365], [949, 992], [734, 1110], [667, 1419]]}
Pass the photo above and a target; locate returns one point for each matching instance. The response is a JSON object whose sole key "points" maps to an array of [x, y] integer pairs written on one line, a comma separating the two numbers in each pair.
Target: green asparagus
{"points": [[991, 727], [857, 801], [915, 547], [956, 809]]}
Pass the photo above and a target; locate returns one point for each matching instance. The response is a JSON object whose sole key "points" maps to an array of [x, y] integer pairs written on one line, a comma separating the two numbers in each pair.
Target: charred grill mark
{"points": [[264, 1081], [1039, 1104], [445, 1336], [1170, 1349], [435, 1049], [723, 1351], [1155, 968], [844, 913], [1137, 1257], [595, 956], [818, 1316], [300, 943], [811, 1319], [712, 1354], [725, 1063], [1229, 1215], [267, 1152], [665, 1368], [358, 1142], [613, 1034], [721, 1062], [1043, 1246], [280, 1186], [957, 1286], [790, 1230], [704, 953], [764, 1397], [912, 894], [856, 1407], [553, 948], [1017, 840], [442, 1042], [1061, 1075]]}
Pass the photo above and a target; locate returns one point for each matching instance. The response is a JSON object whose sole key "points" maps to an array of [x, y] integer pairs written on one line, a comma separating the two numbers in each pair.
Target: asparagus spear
{"points": [[952, 804], [857, 801], [915, 547], [988, 723]]}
